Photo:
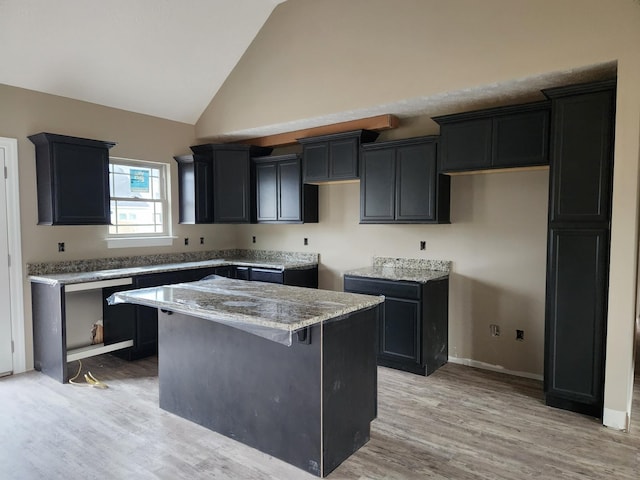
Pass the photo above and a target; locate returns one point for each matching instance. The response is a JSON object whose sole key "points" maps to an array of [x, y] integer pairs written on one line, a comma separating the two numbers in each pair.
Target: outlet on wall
{"points": [[253, 239], [186, 241], [520, 335], [423, 245], [494, 330], [201, 240], [306, 241], [61, 246]]}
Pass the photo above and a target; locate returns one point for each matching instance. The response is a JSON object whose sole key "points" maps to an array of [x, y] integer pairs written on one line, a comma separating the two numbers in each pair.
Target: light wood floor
{"points": [[459, 423]]}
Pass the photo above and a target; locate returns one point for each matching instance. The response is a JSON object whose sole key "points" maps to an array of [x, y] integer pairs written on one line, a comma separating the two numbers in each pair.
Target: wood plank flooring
{"points": [[459, 423]]}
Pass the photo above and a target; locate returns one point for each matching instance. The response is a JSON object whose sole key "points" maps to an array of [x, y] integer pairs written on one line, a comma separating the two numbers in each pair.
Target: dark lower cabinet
{"points": [[298, 277], [399, 183], [414, 322], [578, 247], [141, 323]]}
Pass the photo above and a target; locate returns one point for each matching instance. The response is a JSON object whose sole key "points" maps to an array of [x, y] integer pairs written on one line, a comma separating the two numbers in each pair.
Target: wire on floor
{"points": [[90, 380]]}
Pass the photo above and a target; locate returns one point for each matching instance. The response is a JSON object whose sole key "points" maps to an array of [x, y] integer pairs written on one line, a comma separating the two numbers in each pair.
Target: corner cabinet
{"points": [[333, 158], [233, 185], [414, 324], [497, 138], [195, 189], [400, 183], [280, 194], [72, 176], [581, 178]]}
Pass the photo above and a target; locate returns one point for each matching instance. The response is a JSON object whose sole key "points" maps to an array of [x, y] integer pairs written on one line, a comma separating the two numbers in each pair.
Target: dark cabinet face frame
{"points": [[281, 197], [400, 182], [581, 179], [505, 137], [334, 157], [72, 176]]}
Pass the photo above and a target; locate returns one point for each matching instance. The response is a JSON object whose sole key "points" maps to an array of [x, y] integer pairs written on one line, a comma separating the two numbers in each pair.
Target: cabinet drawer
{"points": [[388, 288], [266, 275]]}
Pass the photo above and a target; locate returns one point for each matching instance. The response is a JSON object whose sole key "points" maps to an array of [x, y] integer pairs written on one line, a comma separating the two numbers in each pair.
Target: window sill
{"points": [[130, 242]]}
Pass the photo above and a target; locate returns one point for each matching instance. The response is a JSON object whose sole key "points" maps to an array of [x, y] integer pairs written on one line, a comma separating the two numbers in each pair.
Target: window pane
{"points": [[137, 199]]}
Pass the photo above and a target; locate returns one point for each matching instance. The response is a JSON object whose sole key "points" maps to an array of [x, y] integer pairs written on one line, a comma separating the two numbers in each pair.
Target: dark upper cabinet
{"points": [[333, 157], [72, 176], [195, 189], [582, 150], [233, 185], [505, 137], [578, 247], [280, 194], [400, 183]]}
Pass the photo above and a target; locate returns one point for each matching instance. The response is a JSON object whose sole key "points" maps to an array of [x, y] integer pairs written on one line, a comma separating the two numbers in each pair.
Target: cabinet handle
{"points": [[168, 312]]}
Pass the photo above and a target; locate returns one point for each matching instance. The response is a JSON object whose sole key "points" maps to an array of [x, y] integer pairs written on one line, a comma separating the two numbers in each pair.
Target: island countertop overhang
{"points": [[269, 310]]}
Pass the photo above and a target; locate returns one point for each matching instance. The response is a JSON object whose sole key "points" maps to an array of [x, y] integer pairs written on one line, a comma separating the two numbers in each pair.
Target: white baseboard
{"points": [[615, 419], [494, 368]]}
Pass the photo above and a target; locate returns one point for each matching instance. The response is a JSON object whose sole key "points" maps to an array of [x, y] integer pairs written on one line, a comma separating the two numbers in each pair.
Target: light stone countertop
{"points": [[113, 273], [404, 269], [250, 305], [398, 274]]}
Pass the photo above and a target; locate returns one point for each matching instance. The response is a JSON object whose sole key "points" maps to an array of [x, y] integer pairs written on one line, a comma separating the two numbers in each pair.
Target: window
{"points": [[139, 200]]}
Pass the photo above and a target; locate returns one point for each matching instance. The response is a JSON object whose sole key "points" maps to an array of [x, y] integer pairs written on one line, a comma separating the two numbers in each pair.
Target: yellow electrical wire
{"points": [[90, 380]]}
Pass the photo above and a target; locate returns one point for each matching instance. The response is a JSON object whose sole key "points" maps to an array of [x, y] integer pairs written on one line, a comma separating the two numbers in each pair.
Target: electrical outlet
{"points": [[186, 241], [520, 335], [494, 330], [201, 240], [306, 241], [61, 246], [253, 240], [423, 245]]}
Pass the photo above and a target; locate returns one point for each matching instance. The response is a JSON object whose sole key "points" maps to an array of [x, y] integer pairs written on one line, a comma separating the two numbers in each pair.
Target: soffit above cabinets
{"points": [[157, 57]]}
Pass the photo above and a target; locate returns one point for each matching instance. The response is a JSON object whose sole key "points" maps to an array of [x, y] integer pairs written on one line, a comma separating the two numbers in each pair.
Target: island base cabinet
{"points": [[310, 404]]}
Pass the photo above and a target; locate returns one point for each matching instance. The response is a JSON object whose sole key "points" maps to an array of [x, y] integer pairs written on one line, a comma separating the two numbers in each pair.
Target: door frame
{"points": [[14, 231]]}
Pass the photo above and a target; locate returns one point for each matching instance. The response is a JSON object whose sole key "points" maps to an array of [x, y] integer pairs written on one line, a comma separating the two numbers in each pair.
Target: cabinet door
{"points": [[315, 158], [399, 332], [119, 320], [290, 191], [377, 187], [269, 275], [466, 145], [267, 191], [521, 139], [416, 175], [581, 158], [343, 159], [80, 184], [203, 171], [231, 186], [576, 312]]}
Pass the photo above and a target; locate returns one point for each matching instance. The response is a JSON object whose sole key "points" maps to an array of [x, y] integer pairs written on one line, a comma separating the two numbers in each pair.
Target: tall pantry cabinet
{"points": [[581, 175]]}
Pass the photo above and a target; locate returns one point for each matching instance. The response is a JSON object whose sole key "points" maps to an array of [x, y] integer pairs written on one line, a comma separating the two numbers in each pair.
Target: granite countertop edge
{"points": [[398, 274], [206, 300], [116, 273]]}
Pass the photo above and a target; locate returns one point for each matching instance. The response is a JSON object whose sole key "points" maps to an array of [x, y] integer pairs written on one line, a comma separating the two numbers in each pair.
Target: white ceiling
{"points": [[165, 58], [168, 58]]}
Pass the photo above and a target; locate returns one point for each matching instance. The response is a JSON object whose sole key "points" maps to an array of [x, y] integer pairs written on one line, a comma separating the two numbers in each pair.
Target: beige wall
{"points": [[320, 58], [25, 112]]}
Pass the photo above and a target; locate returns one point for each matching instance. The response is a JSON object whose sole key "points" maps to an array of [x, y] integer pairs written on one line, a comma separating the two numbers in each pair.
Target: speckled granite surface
{"points": [[256, 304], [404, 269], [79, 271]]}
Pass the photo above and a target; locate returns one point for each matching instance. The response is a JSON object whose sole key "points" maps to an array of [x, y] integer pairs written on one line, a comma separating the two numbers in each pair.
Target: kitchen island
{"points": [[290, 371]]}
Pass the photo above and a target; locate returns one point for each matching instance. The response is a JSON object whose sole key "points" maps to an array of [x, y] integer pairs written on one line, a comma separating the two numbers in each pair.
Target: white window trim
{"points": [[130, 242], [146, 240]]}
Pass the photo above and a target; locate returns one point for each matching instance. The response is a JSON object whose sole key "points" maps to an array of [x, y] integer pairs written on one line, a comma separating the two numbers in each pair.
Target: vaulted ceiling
{"points": [[165, 58]]}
